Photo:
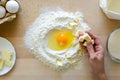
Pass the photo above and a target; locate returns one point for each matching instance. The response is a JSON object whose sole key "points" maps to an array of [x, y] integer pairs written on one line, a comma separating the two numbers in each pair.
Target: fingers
{"points": [[93, 50], [90, 49], [98, 48], [81, 34], [96, 39], [91, 34], [84, 48]]}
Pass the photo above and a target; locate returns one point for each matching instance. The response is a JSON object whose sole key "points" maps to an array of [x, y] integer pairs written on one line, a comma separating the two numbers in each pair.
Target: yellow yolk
{"points": [[60, 39]]}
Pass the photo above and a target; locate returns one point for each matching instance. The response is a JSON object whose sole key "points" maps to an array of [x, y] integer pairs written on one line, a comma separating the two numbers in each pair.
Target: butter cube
{"points": [[78, 32], [8, 63], [59, 62], [72, 24], [1, 63], [7, 56], [87, 37], [74, 62], [1, 56], [76, 20], [80, 52], [85, 44], [81, 38]]}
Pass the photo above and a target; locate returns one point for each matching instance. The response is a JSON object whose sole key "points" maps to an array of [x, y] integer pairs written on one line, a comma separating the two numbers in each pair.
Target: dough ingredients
{"points": [[53, 38]]}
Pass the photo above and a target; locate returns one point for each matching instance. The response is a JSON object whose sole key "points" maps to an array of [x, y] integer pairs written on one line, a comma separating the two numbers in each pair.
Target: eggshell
{"points": [[2, 11], [12, 6]]}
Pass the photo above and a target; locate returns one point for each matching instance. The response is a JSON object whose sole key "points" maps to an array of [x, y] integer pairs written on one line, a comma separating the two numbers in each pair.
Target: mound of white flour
{"points": [[36, 39]]}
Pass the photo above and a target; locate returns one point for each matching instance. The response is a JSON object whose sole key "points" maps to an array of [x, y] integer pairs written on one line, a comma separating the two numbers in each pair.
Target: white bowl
{"points": [[113, 45], [111, 8]]}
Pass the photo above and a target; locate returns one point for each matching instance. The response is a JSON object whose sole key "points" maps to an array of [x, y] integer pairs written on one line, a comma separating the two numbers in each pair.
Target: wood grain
{"points": [[29, 68]]}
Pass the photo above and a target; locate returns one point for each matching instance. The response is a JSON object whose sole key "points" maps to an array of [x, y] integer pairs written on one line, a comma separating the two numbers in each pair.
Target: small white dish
{"points": [[5, 44]]}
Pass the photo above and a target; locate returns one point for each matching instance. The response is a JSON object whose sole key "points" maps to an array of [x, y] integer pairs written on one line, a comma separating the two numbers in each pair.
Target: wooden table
{"points": [[29, 68]]}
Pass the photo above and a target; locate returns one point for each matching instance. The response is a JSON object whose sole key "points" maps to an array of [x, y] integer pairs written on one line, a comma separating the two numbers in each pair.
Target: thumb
{"points": [[90, 49]]}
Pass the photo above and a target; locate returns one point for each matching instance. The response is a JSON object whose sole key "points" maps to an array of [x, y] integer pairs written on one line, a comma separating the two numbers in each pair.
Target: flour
{"points": [[36, 39]]}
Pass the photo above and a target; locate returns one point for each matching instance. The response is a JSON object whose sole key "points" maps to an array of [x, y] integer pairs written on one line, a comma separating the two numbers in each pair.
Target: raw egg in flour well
{"points": [[60, 39]]}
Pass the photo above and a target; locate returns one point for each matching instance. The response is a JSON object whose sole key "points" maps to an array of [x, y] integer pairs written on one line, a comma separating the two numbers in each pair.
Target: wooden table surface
{"points": [[29, 68]]}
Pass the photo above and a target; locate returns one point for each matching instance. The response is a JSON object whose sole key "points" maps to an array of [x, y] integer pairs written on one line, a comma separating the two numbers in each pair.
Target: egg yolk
{"points": [[60, 39]]}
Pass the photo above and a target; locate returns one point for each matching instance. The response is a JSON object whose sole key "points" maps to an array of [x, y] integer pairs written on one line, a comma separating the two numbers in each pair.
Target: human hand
{"points": [[96, 57]]}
